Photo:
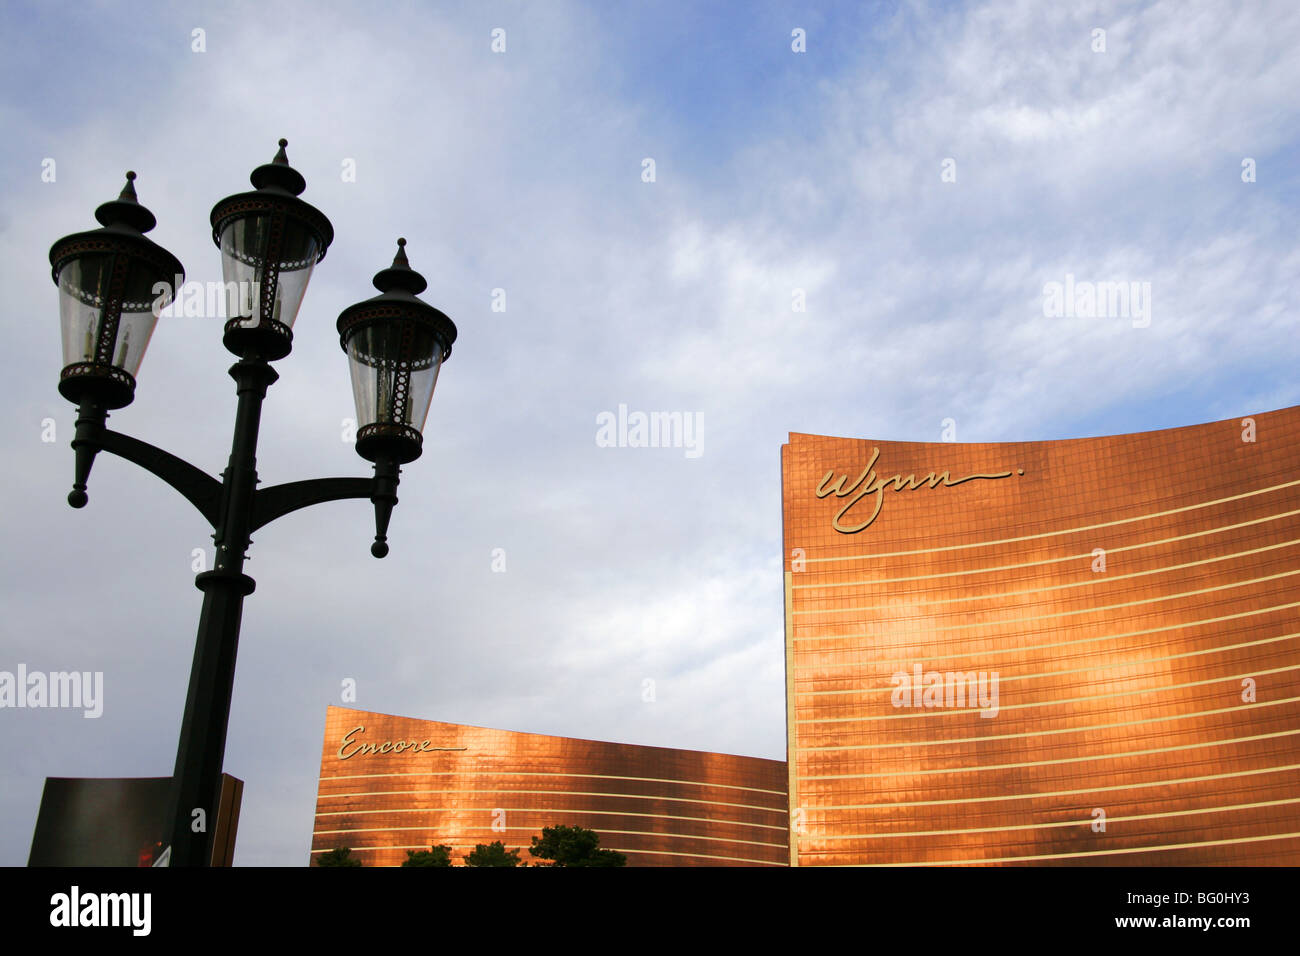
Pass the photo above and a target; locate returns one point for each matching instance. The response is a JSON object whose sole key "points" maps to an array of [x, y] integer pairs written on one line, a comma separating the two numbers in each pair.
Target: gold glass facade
{"points": [[1065, 652], [392, 784]]}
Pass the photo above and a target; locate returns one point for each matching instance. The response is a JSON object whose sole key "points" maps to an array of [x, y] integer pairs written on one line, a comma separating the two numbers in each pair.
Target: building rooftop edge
{"points": [[793, 436], [529, 733]]}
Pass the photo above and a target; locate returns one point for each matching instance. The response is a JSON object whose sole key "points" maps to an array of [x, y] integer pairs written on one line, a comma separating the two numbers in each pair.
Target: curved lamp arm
{"points": [[199, 488], [204, 492]]}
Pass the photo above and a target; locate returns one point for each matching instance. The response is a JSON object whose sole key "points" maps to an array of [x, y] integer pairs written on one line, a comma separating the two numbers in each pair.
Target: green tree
{"points": [[574, 846], [435, 856], [339, 856], [492, 854]]}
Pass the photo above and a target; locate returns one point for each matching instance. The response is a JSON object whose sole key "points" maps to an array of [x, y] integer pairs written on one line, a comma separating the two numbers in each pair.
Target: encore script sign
{"points": [[869, 483], [387, 747]]}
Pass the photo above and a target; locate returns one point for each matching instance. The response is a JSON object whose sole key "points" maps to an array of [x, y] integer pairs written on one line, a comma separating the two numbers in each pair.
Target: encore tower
{"points": [[389, 785]]}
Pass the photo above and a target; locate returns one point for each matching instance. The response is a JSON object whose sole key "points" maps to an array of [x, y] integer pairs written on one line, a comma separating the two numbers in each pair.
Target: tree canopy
{"points": [[339, 856], [434, 856], [560, 845], [574, 846], [492, 854]]}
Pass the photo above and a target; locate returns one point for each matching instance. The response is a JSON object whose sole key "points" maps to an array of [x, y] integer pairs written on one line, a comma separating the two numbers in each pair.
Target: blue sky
{"points": [[776, 171]]}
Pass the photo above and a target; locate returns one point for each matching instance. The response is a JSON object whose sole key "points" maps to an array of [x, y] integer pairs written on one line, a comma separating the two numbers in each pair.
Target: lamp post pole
{"points": [[395, 342], [196, 779]]}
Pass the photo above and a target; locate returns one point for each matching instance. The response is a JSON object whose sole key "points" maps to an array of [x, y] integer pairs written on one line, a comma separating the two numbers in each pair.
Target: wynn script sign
{"points": [[869, 483], [387, 747]]}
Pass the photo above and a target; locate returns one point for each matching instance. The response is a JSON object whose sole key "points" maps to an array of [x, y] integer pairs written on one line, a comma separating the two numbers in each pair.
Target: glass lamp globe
{"points": [[396, 344], [113, 282], [270, 240]]}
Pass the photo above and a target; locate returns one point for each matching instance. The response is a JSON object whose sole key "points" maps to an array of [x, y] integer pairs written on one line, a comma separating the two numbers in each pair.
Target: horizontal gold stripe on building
{"points": [[565, 793], [1081, 556], [1063, 730], [1086, 822], [1082, 640], [467, 847], [1093, 580], [667, 836], [687, 836], [1048, 763], [717, 821], [946, 712], [1053, 534], [701, 856], [1074, 856], [877, 667], [492, 772], [1086, 610], [1140, 785]]}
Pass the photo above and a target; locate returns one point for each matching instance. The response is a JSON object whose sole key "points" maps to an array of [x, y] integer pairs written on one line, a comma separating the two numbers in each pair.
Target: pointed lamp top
{"points": [[400, 277], [279, 175], [126, 210]]}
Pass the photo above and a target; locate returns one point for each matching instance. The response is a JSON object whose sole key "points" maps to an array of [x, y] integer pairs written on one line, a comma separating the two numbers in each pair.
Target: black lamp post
{"points": [[112, 284]]}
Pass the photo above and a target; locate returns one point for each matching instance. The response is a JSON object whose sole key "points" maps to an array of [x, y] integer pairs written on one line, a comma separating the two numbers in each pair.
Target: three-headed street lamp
{"points": [[113, 281]]}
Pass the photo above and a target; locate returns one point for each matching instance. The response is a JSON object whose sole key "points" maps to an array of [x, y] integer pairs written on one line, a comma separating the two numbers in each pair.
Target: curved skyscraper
{"points": [[1058, 652], [392, 784]]}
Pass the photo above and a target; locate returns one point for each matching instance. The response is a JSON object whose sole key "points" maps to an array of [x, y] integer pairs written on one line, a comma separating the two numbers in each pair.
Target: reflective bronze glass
{"points": [[393, 784], [1060, 653]]}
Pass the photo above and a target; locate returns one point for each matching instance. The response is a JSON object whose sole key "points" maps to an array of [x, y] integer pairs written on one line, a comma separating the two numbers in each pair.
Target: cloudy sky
{"points": [[686, 213]]}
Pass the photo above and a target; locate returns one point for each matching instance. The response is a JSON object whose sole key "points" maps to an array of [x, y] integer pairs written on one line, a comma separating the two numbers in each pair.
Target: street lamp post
{"points": [[113, 281]]}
